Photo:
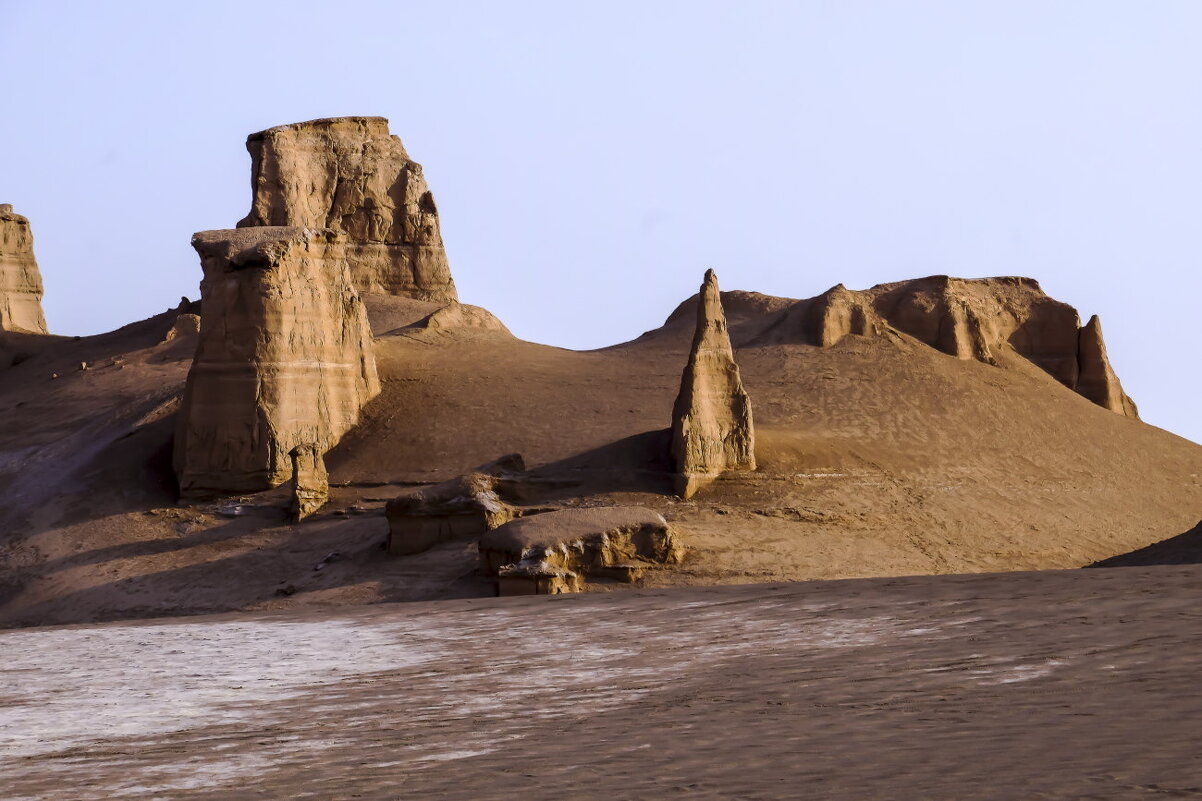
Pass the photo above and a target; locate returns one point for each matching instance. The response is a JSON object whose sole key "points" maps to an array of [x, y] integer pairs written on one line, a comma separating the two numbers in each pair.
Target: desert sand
{"points": [[929, 426], [876, 456]]}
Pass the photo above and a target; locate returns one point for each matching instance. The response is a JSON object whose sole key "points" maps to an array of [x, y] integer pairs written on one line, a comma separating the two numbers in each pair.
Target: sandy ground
{"points": [[877, 457], [1065, 684]]}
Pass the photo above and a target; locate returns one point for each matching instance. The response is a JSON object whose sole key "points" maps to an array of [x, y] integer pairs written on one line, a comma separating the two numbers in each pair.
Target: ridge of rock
{"points": [[284, 360], [712, 428], [969, 319], [350, 174], [20, 280]]}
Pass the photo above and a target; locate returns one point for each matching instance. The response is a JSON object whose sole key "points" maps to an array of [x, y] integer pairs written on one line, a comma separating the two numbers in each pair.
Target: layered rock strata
{"points": [[20, 281], [711, 421], [971, 319], [284, 358], [310, 481], [556, 551], [350, 174]]}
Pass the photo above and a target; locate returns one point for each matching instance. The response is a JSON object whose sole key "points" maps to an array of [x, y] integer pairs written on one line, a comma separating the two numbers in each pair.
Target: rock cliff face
{"points": [[20, 281], [350, 174], [284, 360], [711, 421], [968, 319]]}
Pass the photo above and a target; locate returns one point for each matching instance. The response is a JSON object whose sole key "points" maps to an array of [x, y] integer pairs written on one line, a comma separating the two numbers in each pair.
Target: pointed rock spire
{"points": [[711, 421], [1096, 378]]}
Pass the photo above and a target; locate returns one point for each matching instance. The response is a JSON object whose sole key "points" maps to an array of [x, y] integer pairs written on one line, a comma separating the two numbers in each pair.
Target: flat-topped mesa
{"points": [[284, 359], [350, 174], [711, 420], [20, 281]]}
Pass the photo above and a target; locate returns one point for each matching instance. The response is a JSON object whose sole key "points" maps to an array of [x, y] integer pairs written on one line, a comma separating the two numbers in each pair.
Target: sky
{"points": [[591, 160]]}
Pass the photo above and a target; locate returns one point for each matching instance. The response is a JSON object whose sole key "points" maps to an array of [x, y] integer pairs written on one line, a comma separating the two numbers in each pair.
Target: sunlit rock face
{"points": [[351, 175], [711, 420], [284, 360], [971, 319], [20, 281]]}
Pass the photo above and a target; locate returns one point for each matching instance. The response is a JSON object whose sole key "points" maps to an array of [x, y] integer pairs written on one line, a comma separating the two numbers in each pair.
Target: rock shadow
{"points": [[638, 463], [1183, 549]]}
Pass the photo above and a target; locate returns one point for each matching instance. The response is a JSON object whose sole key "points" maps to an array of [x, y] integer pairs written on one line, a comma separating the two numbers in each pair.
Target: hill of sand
{"points": [[877, 455]]}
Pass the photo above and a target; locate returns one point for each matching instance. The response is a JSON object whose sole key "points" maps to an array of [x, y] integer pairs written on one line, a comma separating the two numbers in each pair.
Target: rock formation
{"points": [[968, 319], [310, 481], [839, 312], [1095, 377], [351, 175], [284, 358], [711, 421], [20, 281], [462, 508], [553, 552]]}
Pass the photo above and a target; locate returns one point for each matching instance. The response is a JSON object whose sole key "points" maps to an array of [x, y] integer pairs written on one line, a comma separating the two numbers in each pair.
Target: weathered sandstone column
{"points": [[310, 481], [20, 281], [284, 358], [351, 175], [711, 421]]}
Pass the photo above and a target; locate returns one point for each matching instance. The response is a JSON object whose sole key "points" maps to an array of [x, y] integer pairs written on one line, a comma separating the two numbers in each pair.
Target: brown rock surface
{"points": [[310, 481], [877, 456], [838, 313], [970, 319], [551, 553], [1096, 379], [350, 174], [711, 420], [285, 358], [20, 281], [464, 507]]}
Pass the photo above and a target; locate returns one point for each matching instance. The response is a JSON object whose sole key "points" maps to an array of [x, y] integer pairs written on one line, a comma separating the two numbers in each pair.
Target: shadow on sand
{"points": [[638, 463], [1184, 549]]}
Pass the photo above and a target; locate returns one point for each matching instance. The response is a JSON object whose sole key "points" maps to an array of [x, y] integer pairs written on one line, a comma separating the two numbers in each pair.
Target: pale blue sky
{"points": [[591, 160]]}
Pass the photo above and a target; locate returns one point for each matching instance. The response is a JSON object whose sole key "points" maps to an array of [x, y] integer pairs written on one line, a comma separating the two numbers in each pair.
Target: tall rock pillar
{"points": [[20, 281], [711, 421], [284, 361]]}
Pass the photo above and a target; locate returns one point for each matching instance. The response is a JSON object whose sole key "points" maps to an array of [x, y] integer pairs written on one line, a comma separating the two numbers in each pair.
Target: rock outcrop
{"points": [[838, 313], [465, 507], [350, 174], [554, 552], [284, 358], [310, 481], [711, 420], [20, 281], [970, 319], [1095, 377]]}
